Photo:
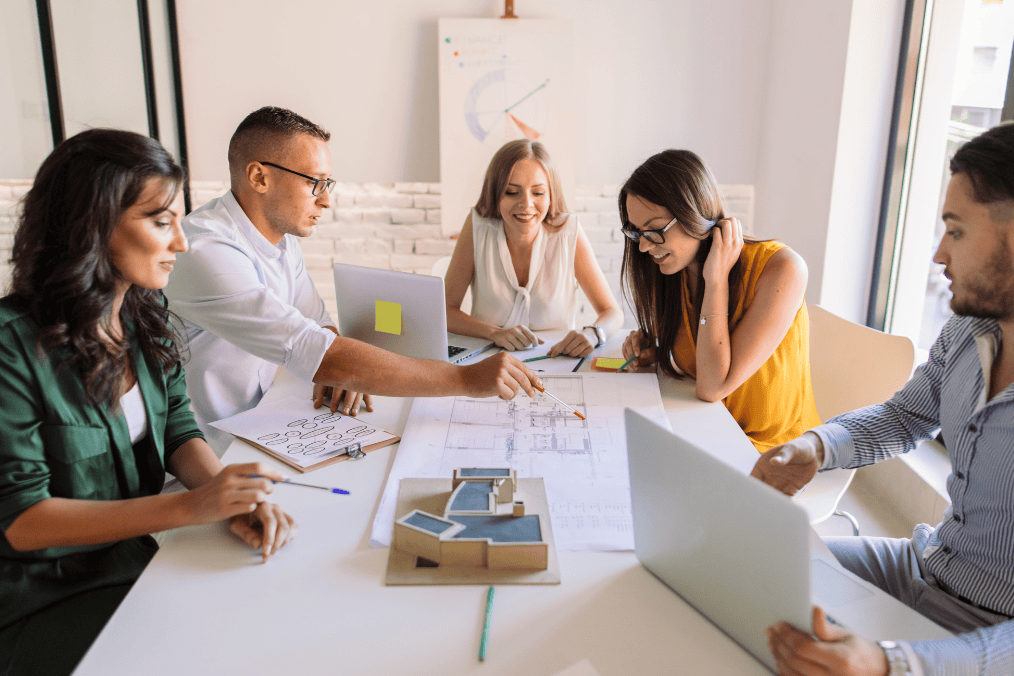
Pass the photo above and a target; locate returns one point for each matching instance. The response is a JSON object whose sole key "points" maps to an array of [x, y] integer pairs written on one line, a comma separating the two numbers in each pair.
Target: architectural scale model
{"points": [[484, 525]]}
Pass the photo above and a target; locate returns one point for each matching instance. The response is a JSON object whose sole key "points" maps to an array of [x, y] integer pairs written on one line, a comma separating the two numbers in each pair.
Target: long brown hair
{"points": [[499, 172], [64, 274], [679, 181]]}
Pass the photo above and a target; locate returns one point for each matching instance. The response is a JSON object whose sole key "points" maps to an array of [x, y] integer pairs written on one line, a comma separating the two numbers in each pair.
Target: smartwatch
{"points": [[600, 334]]}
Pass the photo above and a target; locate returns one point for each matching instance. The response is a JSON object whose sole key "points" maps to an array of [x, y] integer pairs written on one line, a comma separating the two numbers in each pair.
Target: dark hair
{"points": [[265, 127], [679, 181], [499, 172], [988, 161], [63, 268]]}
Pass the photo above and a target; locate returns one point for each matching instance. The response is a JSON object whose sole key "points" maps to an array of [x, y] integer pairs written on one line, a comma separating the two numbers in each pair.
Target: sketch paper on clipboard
{"points": [[303, 437]]}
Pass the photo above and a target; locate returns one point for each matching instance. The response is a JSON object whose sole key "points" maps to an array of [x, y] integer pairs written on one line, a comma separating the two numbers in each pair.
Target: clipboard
{"points": [[303, 437], [353, 451]]}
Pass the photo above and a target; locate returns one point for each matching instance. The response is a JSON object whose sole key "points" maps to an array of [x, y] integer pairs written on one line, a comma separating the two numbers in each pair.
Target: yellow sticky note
{"points": [[388, 317]]}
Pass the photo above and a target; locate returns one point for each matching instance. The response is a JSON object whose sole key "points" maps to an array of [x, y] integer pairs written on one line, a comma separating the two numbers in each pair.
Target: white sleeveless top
{"points": [[132, 406], [548, 301]]}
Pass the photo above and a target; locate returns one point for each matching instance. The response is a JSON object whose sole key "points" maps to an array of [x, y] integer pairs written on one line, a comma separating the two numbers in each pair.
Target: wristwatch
{"points": [[600, 334], [897, 660]]}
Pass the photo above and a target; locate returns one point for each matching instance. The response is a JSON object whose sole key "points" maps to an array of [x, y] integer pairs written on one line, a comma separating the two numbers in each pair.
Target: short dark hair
{"points": [[266, 127], [988, 162], [64, 273]]}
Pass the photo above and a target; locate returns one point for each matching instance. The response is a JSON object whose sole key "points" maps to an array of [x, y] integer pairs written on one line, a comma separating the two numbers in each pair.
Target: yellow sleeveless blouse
{"points": [[775, 404]]}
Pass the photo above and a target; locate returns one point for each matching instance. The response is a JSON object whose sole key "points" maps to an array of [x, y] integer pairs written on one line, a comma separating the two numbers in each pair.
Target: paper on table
{"points": [[584, 463], [303, 435]]}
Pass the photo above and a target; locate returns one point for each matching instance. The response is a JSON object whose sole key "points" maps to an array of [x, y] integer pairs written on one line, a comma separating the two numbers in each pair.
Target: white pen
{"points": [[560, 401]]}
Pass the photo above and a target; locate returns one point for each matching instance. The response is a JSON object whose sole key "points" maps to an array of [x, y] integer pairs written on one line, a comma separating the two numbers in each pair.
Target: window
{"points": [[959, 90]]}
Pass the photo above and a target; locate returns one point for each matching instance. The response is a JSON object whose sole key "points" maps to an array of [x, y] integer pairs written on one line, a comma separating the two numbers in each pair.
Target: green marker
{"points": [[485, 628], [545, 356], [627, 363]]}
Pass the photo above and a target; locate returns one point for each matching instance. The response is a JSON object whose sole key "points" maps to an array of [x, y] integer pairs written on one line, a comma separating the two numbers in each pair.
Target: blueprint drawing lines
{"points": [[526, 425]]}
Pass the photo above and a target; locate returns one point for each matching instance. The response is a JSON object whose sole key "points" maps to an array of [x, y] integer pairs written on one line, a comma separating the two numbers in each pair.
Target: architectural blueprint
{"points": [[583, 462]]}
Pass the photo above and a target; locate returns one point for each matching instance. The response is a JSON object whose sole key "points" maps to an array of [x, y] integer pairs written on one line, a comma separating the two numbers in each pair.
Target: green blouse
{"points": [[53, 443]]}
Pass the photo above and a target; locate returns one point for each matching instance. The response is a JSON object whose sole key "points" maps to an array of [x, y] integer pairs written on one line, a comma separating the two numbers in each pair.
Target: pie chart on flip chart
{"points": [[502, 106], [501, 81]]}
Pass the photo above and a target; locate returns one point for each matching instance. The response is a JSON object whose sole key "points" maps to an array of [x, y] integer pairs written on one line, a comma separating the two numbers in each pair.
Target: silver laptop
{"points": [[400, 312], [738, 550]]}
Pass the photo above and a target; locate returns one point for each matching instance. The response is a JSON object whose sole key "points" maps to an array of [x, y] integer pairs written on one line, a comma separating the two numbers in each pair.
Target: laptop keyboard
{"points": [[453, 350]]}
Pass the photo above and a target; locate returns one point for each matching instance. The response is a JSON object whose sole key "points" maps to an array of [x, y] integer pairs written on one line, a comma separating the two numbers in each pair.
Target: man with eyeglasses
{"points": [[249, 306]]}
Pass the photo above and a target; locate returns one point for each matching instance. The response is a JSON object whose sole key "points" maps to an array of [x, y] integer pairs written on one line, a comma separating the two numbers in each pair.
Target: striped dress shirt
{"points": [[972, 550]]}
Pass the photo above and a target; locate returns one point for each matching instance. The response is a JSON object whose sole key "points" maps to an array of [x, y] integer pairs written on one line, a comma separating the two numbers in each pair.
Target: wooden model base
{"points": [[431, 495]]}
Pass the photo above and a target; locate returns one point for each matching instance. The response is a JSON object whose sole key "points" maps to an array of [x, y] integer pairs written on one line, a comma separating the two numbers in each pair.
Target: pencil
{"points": [[338, 491], [574, 370], [485, 626], [627, 363], [545, 356], [561, 402]]}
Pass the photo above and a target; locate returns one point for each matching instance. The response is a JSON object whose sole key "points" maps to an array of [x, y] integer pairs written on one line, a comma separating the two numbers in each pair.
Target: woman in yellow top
{"points": [[726, 311]]}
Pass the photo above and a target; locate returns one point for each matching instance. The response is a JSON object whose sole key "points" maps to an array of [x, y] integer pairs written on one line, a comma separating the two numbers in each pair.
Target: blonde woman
{"points": [[524, 258]]}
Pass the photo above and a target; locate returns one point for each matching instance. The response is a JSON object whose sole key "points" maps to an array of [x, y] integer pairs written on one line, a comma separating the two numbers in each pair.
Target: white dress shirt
{"points": [[248, 306]]}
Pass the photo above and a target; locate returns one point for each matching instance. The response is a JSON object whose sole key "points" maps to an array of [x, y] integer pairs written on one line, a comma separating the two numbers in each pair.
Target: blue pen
{"points": [[339, 491]]}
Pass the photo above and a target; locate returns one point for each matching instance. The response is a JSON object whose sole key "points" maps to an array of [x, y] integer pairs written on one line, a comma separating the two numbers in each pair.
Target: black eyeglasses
{"points": [[653, 236], [319, 184]]}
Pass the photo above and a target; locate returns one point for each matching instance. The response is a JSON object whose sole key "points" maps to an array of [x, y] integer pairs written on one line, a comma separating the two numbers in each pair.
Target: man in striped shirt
{"points": [[960, 573]]}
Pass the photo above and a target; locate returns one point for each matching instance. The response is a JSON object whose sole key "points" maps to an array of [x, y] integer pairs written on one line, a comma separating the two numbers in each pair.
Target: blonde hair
{"points": [[499, 172]]}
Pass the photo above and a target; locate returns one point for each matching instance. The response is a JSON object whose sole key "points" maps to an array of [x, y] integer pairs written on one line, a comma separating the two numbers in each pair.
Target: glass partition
{"points": [[24, 111], [98, 57]]}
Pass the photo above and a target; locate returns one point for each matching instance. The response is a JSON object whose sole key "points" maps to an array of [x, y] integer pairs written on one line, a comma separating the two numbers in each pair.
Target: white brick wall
{"points": [[397, 226]]}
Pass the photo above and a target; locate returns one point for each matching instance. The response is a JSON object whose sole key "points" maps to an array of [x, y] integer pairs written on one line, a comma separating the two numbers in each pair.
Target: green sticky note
{"points": [[388, 317]]}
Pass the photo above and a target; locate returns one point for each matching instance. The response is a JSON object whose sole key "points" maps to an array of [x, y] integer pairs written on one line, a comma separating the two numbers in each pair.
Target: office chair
{"points": [[440, 270], [851, 366]]}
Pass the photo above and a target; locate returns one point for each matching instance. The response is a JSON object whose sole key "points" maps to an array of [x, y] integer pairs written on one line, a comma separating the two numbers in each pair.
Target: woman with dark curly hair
{"points": [[94, 405]]}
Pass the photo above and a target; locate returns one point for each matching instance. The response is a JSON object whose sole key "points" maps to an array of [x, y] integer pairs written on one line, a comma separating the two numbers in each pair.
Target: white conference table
{"points": [[207, 605]]}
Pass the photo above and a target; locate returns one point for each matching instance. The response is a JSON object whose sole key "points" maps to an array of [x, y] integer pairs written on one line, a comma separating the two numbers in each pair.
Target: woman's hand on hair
{"points": [[574, 344], [726, 245], [515, 338], [635, 344]]}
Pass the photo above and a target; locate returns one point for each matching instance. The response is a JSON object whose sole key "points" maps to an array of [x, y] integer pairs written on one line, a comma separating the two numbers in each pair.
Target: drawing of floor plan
{"points": [[525, 425], [583, 462]]}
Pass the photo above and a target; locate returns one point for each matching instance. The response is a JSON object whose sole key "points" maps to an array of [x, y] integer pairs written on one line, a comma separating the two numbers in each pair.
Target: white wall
{"points": [[791, 96], [651, 75], [755, 87], [799, 132]]}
